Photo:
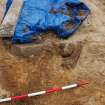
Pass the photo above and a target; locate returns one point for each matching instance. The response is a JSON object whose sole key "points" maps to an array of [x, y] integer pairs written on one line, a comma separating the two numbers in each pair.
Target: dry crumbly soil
{"points": [[57, 65]]}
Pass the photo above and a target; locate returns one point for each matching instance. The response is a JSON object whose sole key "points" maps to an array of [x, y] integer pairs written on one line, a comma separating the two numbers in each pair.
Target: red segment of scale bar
{"points": [[53, 90], [19, 97]]}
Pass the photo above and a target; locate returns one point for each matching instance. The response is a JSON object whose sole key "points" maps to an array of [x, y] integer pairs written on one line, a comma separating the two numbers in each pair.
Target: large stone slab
{"points": [[27, 50], [2, 6], [65, 49], [9, 23], [69, 52]]}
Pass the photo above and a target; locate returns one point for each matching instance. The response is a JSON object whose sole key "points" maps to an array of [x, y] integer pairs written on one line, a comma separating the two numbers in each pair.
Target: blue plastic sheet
{"points": [[39, 16]]}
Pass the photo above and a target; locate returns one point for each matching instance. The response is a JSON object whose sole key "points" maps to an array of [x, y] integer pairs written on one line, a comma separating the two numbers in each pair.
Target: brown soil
{"points": [[61, 65]]}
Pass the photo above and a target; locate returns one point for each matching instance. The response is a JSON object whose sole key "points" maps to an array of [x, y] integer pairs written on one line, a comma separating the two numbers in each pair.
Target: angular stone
{"points": [[8, 26], [27, 50]]}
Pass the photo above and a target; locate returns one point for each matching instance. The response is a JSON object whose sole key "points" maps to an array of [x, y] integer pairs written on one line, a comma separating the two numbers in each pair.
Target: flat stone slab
{"points": [[31, 49], [8, 26], [68, 51], [62, 48]]}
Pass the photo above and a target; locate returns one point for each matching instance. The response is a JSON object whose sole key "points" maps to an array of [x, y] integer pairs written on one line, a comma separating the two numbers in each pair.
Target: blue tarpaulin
{"points": [[37, 16]]}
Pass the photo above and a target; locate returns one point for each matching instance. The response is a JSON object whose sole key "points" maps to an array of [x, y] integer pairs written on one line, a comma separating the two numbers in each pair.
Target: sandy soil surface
{"points": [[21, 75]]}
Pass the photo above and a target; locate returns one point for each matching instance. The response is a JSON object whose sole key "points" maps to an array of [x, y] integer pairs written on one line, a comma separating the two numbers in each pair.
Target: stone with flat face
{"points": [[2, 6], [27, 50], [9, 23], [69, 52]]}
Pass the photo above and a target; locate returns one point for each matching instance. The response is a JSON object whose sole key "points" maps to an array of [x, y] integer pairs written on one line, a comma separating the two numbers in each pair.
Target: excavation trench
{"points": [[34, 67]]}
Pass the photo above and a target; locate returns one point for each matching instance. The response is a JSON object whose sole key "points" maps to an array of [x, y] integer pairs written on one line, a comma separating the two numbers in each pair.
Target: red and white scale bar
{"points": [[78, 84]]}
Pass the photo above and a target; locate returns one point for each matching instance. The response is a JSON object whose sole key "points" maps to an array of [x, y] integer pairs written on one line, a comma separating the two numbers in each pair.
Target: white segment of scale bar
{"points": [[69, 87], [5, 100], [36, 94]]}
